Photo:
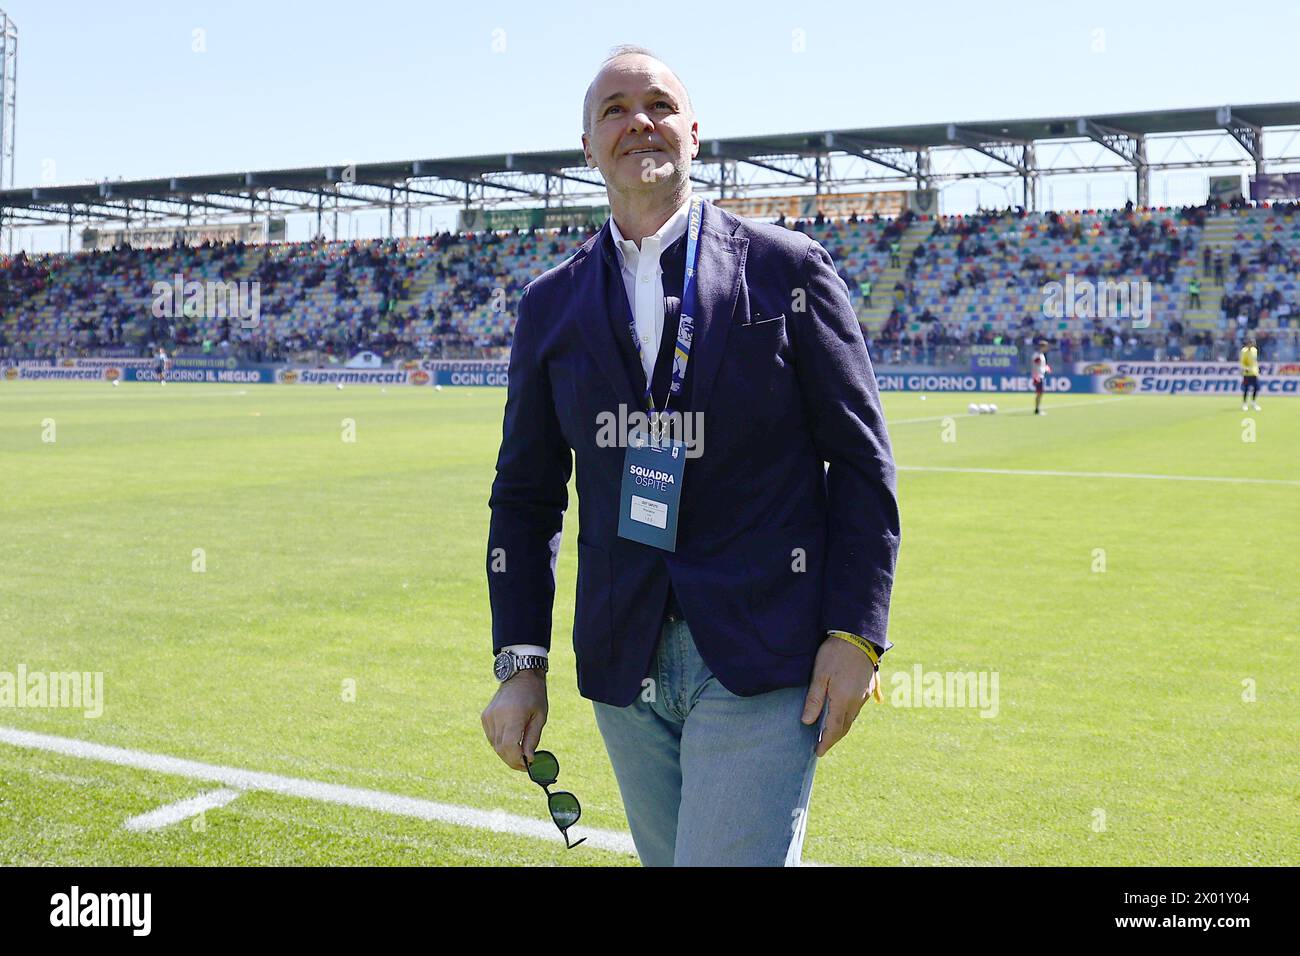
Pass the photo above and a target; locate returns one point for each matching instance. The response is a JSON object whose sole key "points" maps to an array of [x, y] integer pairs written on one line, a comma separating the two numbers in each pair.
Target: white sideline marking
{"points": [[181, 810], [1101, 474], [496, 820], [1014, 411]]}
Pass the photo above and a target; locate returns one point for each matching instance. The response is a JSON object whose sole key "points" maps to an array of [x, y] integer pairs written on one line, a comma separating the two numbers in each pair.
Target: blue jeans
{"points": [[710, 778]]}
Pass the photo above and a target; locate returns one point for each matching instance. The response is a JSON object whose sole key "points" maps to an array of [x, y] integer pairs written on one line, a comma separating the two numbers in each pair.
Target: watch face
{"points": [[504, 666]]}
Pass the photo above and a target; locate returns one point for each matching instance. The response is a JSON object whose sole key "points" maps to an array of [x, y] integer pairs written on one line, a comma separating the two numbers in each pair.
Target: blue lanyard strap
{"points": [[685, 327]]}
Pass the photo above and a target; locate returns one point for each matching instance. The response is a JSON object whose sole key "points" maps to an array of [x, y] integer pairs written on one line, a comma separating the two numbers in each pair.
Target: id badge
{"points": [[652, 490]]}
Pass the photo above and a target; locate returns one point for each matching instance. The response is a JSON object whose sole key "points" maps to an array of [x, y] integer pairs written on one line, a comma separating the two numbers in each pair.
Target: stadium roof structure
{"points": [[820, 161]]}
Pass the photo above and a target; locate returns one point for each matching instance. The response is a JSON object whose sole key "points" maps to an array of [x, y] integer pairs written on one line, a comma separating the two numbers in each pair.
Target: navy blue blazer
{"points": [[774, 548]]}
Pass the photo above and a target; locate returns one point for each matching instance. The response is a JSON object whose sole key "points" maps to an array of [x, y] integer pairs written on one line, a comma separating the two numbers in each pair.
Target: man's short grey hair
{"points": [[624, 49]]}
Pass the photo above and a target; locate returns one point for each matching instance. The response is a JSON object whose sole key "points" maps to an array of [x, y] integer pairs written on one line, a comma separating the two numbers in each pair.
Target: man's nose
{"points": [[640, 121]]}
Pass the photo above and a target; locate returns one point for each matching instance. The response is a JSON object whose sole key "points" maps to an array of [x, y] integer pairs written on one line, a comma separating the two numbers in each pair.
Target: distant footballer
{"points": [[161, 363], [1249, 374], [1038, 371]]}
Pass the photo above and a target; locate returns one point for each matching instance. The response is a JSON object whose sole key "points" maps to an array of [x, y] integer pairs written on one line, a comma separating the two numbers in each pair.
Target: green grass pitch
{"points": [[1143, 631]]}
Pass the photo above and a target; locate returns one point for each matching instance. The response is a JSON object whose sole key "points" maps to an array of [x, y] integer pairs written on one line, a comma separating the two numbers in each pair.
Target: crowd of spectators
{"points": [[102, 300], [1151, 248], [331, 300]]}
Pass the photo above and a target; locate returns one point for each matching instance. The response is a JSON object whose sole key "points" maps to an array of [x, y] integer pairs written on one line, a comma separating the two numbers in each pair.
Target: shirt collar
{"points": [[668, 233]]}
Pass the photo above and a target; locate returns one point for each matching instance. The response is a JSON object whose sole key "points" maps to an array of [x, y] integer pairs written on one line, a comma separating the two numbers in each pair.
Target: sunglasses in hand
{"points": [[544, 770]]}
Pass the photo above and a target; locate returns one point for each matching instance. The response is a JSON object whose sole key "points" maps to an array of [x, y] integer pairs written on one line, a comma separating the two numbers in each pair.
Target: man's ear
{"points": [[586, 151], [695, 139]]}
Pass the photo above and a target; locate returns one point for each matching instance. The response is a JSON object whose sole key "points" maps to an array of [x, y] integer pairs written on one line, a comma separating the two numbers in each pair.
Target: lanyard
{"points": [[685, 327]]}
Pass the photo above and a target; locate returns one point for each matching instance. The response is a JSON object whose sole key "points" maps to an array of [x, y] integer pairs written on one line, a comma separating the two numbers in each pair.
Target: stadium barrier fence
{"points": [[1098, 378]]}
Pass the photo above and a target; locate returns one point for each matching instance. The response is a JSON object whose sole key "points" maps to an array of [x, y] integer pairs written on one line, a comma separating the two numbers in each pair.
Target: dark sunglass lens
{"points": [[565, 809], [544, 769]]}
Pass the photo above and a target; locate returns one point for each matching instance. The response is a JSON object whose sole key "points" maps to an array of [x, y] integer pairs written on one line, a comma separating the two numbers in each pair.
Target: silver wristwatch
{"points": [[508, 664]]}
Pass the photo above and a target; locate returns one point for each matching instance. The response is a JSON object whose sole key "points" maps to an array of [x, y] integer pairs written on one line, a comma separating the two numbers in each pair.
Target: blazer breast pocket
{"points": [[758, 357], [757, 321], [761, 334]]}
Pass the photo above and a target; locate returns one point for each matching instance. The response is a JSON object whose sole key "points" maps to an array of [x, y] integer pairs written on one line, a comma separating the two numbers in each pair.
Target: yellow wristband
{"points": [[858, 642], [866, 648]]}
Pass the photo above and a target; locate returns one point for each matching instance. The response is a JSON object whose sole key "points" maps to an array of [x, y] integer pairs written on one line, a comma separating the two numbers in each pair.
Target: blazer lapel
{"points": [[718, 275], [608, 318]]}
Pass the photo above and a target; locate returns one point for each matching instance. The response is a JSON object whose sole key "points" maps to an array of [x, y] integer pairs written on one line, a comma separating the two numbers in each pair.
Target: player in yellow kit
{"points": [[1249, 373]]}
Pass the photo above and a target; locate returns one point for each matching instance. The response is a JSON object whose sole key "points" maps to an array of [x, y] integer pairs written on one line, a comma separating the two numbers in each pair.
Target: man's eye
{"points": [[611, 109], [664, 103]]}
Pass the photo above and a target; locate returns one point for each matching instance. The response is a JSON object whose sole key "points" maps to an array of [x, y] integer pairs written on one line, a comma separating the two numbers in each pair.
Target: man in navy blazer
{"points": [[710, 664]]}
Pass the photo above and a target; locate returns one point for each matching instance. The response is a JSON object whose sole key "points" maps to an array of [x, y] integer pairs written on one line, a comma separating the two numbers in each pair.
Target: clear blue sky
{"points": [[116, 89]]}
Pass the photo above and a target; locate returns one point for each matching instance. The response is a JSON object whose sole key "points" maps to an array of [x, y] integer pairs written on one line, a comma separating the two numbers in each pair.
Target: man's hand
{"points": [[844, 675], [514, 718]]}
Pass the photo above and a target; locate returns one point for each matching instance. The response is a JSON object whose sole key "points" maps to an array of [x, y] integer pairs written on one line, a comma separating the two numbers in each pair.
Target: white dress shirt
{"points": [[644, 282], [643, 279]]}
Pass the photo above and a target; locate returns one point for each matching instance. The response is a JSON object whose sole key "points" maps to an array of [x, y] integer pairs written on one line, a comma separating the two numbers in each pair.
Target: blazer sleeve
{"points": [[848, 430], [529, 496]]}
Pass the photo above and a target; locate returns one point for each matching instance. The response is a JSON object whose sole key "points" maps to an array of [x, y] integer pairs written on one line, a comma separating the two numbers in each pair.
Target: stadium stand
{"points": [[980, 279], [937, 284]]}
